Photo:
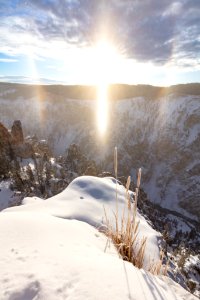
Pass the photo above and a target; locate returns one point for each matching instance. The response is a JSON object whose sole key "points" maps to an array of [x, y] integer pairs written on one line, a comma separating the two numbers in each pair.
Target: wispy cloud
{"points": [[147, 31], [8, 60], [23, 79]]}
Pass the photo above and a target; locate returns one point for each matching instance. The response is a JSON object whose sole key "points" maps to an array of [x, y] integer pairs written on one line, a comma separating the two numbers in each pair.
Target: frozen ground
{"points": [[50, 250]]}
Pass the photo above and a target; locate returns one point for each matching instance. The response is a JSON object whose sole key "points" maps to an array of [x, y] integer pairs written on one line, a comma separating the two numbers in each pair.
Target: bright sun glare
{"points": [[106, 59]]}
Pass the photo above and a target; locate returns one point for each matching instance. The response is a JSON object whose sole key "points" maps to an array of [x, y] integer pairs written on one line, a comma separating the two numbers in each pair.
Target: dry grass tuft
{"points": [[124, 234]]}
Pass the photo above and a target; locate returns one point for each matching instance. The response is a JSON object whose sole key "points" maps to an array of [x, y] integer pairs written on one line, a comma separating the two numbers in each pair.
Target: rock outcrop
{"points": [[42, 148], [17, 133], [5, 150], [5, 139], [13, 144], [24, 150], [20, 147]]}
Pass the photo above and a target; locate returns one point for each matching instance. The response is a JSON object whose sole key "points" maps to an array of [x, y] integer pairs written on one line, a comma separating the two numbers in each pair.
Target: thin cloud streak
{"points": [[8, 60]]}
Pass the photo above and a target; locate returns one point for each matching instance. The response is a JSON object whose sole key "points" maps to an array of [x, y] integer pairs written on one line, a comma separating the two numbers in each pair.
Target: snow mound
{"points": [[47, 255], [84, 200]]}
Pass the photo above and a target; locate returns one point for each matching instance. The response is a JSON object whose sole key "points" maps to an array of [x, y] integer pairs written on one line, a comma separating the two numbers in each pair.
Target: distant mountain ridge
{"points": [[83, 92], [155, 128]]}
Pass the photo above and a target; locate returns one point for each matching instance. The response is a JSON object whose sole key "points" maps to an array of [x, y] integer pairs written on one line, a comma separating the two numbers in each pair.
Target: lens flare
{"points": [[39, 104]]}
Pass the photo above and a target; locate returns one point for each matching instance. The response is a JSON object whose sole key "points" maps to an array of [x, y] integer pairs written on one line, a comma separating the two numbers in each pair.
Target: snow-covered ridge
{"points": [[48, 253]]}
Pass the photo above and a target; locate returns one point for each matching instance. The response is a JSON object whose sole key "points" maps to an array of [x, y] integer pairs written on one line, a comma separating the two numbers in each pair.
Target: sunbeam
{"points": [[106, 60], [102, 108]]}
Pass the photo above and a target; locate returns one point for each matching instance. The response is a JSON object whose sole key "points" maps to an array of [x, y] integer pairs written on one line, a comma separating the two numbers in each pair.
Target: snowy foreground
{"points": [[50, 249]]}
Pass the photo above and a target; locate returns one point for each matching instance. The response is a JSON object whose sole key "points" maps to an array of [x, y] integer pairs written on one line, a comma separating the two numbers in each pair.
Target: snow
{"points": [[179, 224], [193, 260], [25, 162], [6, 195], [49, 250], [9, 91], [192, 267], [85, 199]]}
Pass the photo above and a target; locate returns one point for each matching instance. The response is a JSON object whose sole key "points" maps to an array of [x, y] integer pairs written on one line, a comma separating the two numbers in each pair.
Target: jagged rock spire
{"points": [[17, 133]]}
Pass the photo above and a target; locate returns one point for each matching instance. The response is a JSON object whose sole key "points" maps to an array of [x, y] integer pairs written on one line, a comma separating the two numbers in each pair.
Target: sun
{"points": [[106, 59]]}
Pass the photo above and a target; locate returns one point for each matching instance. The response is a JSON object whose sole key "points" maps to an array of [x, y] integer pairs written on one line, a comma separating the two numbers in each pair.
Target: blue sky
{"points": [[86, 41]]}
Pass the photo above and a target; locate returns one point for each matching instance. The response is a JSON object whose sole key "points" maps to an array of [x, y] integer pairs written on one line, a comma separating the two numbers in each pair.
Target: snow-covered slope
{"points": [[48, 253], [160, 135], [163, 136], [86, 199]]}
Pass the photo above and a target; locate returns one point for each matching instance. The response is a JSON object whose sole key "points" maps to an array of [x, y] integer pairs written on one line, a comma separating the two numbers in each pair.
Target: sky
{"points": [[89, 41]]}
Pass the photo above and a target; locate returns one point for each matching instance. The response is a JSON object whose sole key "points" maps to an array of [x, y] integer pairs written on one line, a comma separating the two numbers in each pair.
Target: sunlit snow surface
{"points": [[49, 250]]}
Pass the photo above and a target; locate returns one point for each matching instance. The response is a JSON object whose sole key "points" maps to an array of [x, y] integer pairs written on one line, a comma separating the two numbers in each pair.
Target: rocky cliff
{"points": [[159, 132]]}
